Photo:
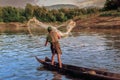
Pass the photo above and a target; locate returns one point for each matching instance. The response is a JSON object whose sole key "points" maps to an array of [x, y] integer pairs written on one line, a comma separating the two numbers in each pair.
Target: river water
{"points": [[93, 49]]}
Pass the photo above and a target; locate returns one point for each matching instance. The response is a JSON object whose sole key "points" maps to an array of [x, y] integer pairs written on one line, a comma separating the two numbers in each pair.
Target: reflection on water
{"points": [[92, 49]]}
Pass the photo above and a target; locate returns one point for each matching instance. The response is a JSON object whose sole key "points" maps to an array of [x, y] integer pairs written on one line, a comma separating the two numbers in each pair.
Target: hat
{"points": [[49, 28]]}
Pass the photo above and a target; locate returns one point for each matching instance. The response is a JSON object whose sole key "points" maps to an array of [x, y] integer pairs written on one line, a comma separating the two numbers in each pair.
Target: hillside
{"points": [[91, 3], [58, 6]]}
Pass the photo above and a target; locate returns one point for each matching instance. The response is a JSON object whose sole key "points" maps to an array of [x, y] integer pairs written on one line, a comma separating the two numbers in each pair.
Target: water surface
{"points": [[92, 49]]}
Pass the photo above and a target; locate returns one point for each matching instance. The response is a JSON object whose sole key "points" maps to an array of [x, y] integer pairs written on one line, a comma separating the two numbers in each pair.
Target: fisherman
{"points": [[52, 38]]}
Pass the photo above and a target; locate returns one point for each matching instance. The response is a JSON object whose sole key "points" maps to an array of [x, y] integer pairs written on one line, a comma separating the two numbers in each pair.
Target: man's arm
{"points": [[46, 43], [58, 36]]}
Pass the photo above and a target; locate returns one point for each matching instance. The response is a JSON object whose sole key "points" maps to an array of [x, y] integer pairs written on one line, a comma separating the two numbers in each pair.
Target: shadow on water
{"points": [[58, 75]]}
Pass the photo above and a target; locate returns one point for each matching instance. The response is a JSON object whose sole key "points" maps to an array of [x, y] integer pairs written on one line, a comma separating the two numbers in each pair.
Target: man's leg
{"points": [[52, 58], [59, 60]]}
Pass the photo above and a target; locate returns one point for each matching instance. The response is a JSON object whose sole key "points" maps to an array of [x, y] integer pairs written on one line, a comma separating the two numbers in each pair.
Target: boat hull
{"points": [[79, 72]]}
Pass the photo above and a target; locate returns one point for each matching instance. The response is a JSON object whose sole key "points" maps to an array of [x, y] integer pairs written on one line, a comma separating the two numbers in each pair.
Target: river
{"points": [[93, 49]]}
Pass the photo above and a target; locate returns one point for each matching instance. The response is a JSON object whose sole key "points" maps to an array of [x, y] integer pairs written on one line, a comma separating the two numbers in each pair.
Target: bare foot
{"points": [[60, 66], [52, 64]]}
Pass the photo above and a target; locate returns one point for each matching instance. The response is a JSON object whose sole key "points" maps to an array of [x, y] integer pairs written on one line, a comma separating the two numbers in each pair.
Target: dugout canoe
{"points": [[79, 72]]}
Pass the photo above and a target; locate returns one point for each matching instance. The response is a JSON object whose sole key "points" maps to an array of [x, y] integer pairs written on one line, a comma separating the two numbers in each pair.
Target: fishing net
{"points": [[35, 26]]}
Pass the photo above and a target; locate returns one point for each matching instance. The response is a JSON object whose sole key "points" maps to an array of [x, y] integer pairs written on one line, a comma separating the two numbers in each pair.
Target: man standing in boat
{"points": [[53, 38]]}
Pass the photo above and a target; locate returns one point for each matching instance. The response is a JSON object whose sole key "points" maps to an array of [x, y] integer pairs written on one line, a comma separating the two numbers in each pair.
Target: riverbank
{"points": [[12, 27], [90, 22], [97, 22]]}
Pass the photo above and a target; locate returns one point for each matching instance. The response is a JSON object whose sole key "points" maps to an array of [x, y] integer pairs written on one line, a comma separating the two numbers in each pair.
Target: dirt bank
{"points": [[96, 22], [12, 27]]}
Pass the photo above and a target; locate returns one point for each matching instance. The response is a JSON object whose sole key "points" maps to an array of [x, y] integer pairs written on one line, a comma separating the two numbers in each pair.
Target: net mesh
{"points": [[34, 23]]}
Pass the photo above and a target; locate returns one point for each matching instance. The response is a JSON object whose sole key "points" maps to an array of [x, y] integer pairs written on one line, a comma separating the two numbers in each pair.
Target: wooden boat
{"points": [[79, 72]]}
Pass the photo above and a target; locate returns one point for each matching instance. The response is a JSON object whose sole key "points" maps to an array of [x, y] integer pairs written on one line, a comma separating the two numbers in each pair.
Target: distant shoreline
{"points": [[88, 23]]}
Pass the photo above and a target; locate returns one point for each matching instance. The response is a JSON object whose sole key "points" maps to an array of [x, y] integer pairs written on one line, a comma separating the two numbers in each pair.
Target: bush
{"points": [[1, 20], [112, 4], [22, 19], [110, 13], [118, 9]]}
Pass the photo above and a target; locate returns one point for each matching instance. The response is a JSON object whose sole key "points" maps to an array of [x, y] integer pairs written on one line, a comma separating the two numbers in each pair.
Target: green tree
{"points": [[112, 4], [70, 14], [22, 14], [29, 9], [40, 13], [1, 14], [61, 17], [50, 17], [10, 14]]}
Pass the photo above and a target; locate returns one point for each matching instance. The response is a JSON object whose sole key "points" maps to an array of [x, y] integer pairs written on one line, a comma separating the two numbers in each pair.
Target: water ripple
{"points": [[92, 51]]}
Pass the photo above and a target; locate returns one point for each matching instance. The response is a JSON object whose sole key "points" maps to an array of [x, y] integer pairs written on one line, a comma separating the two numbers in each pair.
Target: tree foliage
{"points": [[1, 14], [112, 4], [12, 14], [29, 9]]}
